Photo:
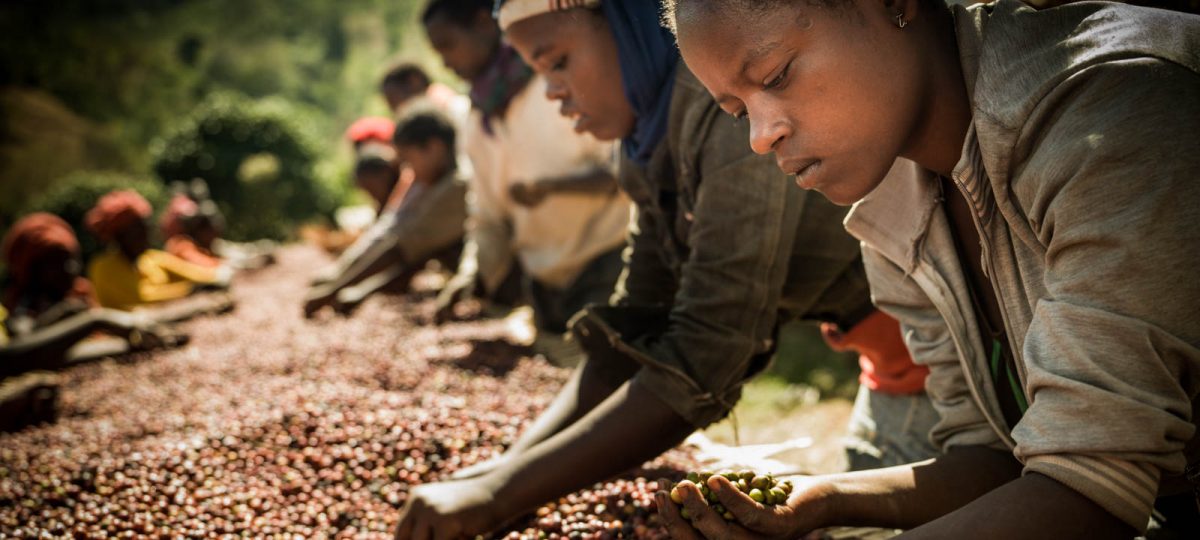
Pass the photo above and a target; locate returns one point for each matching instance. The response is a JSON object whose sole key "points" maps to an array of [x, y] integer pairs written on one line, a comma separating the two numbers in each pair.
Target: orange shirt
{"points": [[886, 364], [185, 248]]}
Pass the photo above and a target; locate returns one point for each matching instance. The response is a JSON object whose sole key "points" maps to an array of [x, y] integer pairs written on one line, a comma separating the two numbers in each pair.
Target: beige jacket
{"points": [[555, 240], [1082, 166]]}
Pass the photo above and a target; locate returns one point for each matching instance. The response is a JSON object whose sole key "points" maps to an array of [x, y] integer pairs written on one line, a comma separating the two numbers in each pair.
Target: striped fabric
{"points": [[511, 11], [1125, 488]]}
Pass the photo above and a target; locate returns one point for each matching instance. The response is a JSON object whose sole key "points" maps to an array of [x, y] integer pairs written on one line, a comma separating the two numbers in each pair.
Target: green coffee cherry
{"points": [[761, 488], [676, 496]]}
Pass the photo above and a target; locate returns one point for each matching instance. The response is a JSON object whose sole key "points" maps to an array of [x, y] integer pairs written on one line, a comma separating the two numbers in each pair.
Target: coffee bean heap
{"points": [[762, 488], [621, 508], [271, 426]]}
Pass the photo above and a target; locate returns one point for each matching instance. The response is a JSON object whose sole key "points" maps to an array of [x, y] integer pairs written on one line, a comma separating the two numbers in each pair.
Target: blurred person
{"points": [[41, 253], [193, 226], [190, 230], [370, 129], [406, 82], [48, 307], [540, 191], [407, 85], [377, 172], [129, 273], [424, 221]]}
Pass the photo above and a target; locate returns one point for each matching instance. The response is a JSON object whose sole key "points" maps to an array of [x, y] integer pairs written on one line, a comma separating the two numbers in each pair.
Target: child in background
{"points": [[422, 222], [567, 238], [130, 274], [406, 83], [48, 307], [44, 281], [191, 229]]}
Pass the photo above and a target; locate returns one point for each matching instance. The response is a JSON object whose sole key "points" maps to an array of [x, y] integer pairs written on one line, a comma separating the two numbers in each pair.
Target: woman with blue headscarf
{"points": [[725, 247]]}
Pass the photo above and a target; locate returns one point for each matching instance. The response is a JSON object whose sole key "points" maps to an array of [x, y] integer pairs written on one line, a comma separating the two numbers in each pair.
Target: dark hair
{"points": [[420, 126], [371, 164], [405, 73], [670, 7], [460, 12]]}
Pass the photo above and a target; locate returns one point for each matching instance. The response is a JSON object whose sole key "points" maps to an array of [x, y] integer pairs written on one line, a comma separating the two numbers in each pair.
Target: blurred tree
{"points": [[125, 71], [258, 159]]}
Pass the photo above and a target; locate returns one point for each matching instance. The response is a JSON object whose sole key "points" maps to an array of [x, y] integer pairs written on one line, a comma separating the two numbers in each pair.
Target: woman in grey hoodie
{"points": [[1040, 249]]}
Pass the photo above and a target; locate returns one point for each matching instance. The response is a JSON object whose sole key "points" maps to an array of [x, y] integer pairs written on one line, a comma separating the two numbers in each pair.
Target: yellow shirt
{"points": [[3, 330], [158, 276]]}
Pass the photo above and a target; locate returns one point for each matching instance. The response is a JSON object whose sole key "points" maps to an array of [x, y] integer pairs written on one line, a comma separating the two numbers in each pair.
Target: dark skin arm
{"points": [[586, 389], [350, 297], [973, 492], [593, 448], [188, 308], [47, 348], [380, 257], [594, 181]]}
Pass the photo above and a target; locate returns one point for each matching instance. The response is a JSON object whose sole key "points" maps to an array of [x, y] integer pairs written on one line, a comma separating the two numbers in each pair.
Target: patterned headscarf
{"points": [[499, 82]]}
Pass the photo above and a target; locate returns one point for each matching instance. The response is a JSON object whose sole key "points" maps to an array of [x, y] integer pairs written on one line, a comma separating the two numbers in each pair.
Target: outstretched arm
{"points": [[629, 427]]}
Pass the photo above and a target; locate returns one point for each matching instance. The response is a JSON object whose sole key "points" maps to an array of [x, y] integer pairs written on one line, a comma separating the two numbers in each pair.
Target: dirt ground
{"points": [[272, 425]]}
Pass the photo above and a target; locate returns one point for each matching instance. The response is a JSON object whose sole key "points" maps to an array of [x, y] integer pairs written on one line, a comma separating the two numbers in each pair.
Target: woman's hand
{"points": [[448, 511], [804, 512], [528, 195]]}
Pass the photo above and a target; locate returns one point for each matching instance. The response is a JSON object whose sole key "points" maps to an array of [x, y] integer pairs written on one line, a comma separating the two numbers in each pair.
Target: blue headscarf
{"points": [[647, 53]]}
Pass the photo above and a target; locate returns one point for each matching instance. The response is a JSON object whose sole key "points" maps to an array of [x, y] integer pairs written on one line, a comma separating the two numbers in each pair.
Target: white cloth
{"points": [[556, 239]]}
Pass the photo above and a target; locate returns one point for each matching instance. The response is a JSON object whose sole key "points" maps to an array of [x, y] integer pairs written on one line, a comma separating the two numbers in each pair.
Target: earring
{"points": [[900, 22]]}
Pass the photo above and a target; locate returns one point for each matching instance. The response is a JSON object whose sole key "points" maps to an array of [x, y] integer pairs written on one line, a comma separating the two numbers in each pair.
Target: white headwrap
{"points": [[515, 10]]}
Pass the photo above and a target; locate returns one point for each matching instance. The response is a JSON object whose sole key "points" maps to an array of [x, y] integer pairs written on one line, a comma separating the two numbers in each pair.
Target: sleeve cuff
{"points": [[1124, 488], [685, 397]]}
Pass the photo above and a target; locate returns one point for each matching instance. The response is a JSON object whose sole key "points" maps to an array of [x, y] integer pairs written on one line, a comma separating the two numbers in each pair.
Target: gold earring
{"points": [[900, 22]]}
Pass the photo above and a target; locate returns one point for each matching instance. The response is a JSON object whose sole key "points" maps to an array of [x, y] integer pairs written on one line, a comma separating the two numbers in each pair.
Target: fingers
{"points": [[676, 525], [422, 531], [404, 527], [704, 518], [751, 514]]}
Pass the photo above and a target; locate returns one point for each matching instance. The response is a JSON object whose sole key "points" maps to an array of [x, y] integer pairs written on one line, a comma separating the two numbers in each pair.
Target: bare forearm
{"points": [[593, 181], [379, 257], [1033, 507], [586, 389], [908, 496], [47, 347], [626, 429]]}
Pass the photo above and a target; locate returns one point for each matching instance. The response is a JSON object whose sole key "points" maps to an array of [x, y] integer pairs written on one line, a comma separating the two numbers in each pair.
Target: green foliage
{"points": [[259, 161], [71, 197], [804, 358], [110, 77]]}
